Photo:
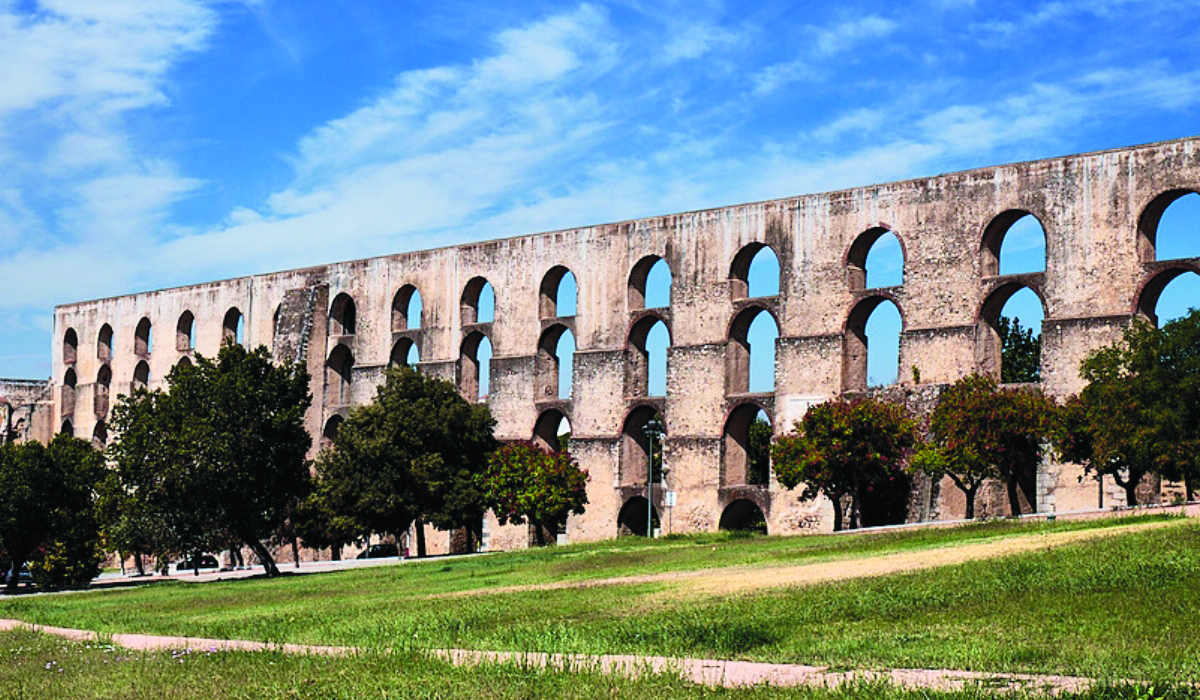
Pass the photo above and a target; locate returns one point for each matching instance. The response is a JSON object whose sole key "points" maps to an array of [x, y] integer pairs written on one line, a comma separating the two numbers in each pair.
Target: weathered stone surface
{"points": [[1098, 211]]}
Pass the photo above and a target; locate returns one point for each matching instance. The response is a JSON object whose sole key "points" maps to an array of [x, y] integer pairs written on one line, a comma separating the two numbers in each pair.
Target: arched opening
{"points": [[185, 331], [70, 348], [1013, 243], [875, 259], [343, 315], [883, 345], [406, 309], [68, 428], [646, 362], [557, 295], [70, 381], [99, 435], [338, 375], [746, 458], [100, 391], [329, 432], [475, 367], [1169, 227], [750, 353], [650, 284], [143, 338], [1169, 295], [632, 520], [231, 327], [478, 302], [405, 353], [141, 375], [754, 272], [871, 346], [743, 515], [552, 431], [554, 363], [642, 447], [1008, 335], [104, 343], [184, 362]]}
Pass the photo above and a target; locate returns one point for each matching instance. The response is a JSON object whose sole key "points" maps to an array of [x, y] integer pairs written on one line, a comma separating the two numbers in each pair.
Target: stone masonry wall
{"points": [[1097, 211]]}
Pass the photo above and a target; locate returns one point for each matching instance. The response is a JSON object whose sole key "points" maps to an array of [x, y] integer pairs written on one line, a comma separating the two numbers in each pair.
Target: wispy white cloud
{"points": [[824, 43], [553, 121], [842, 36], [691, 41], [72, 72], [776, 76], [857, 121]]}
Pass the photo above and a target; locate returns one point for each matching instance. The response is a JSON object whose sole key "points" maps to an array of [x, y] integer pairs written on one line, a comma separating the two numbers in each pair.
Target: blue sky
{"points": [[161, 142]]}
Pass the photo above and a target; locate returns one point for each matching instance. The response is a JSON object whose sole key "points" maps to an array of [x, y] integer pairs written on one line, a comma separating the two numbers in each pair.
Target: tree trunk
{"points": [[264, 557], [335, 552], [539, 535], [1189, 489], [420, 526], [1131, 493], [137, 561], [837, 513], [295, 550], [1028, 485], [970, 494], [1014, 500]]}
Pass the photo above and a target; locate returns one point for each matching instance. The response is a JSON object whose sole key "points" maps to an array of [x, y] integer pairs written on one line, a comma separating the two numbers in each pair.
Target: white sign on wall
{"points": [[794, 408]]}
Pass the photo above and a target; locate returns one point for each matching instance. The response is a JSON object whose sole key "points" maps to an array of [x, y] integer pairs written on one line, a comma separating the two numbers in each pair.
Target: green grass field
{"points": [[1118, 607], [37, 667]]}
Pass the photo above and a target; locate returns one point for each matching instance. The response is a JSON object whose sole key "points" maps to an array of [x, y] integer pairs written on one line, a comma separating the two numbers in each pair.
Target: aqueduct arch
{"points": [[1099, 215]]}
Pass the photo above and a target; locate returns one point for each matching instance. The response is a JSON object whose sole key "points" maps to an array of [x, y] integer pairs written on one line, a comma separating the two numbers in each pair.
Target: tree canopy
{"points": [[523, 482], [221, 454], [47, 514], [1020, 353], [985, 430], [1140, 411], [410, 455], [852, 449], [758, 452]]}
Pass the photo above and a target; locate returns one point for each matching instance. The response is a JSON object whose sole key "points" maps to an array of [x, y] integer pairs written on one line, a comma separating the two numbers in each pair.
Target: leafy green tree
{"points": [[142, 509], [852, 449], [221, 454], [320, 523], [523, 482], [410, 455], [1140, 411], [1178, 373], [1020, 353], [961, 464], [984, 430], [47, 510], [759, 452]]}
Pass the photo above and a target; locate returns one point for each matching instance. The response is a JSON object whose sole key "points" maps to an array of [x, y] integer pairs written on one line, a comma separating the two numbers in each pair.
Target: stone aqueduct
{"points": [[348, 321]]}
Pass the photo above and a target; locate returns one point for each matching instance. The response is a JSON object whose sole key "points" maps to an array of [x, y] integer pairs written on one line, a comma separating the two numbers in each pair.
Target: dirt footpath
{"points": [[740, 579]]}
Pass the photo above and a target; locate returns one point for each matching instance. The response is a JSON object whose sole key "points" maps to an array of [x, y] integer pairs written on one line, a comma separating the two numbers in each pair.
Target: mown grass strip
{"points": [[37, 666], [1113, 608]]}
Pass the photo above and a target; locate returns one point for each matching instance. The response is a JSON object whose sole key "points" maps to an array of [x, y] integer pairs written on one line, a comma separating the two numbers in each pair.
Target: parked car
{"points": [[200, 561], [379, 551], [23, 576]]}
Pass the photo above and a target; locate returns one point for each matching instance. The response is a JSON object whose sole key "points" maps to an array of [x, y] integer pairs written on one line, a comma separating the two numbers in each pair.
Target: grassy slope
{"points": [[1123, 606], [37, 666]]}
